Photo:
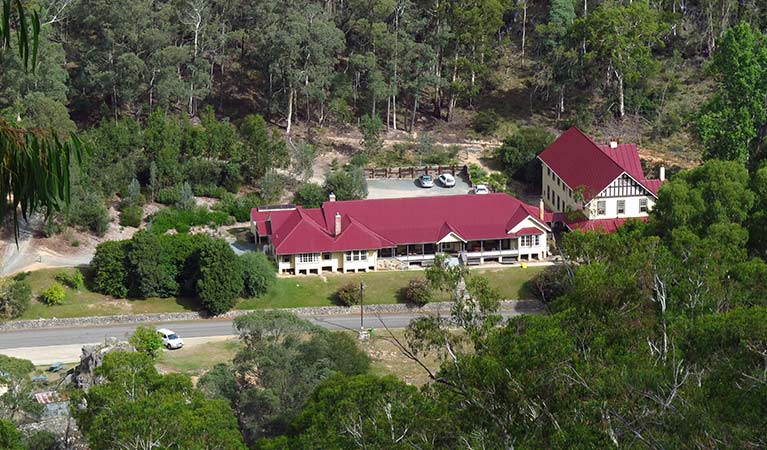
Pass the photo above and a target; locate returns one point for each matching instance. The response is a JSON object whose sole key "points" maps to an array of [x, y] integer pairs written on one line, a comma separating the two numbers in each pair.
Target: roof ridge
{"points": [[615, 163], [365, 228]]}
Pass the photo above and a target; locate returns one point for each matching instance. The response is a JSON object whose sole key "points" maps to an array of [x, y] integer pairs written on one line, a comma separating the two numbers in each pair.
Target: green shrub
{"points": [[345, 185], [15, 297], [348, 295], [183, 219], [131, 216], [418, 292], [220, 279], [518, 153], [209, 190], [257, 272], [54, 294], [486, 122], [110, 268], [42, 440], [73, 279], [146, 339], [238, 206], [169, 195], [371, 128], [89, 211], [310, 195], [359, 160]]}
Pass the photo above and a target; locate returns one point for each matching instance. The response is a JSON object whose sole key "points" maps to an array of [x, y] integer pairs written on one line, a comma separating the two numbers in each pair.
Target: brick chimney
{"points": [[662, 173], [338, 223], [541, 211], [332, 197]]}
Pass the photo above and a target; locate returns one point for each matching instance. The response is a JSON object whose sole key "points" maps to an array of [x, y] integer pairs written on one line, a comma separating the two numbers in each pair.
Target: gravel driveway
{"points": [[395, 188]]}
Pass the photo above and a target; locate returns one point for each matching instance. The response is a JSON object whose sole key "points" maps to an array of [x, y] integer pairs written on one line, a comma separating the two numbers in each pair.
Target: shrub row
{"points": [[182, 220], [149, 265]]}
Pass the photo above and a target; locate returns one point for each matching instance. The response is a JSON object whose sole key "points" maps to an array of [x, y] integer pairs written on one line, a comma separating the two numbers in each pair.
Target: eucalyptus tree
{"points": [[34, 164]]}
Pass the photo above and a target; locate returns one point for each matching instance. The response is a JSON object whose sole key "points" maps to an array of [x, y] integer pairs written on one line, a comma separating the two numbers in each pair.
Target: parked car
{"points": [[481, 189], [447, 180], [170, 339], [426, 181]]}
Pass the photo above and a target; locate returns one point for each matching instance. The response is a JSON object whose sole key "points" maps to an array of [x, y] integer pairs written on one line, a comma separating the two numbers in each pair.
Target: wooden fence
{"points": [[415, 172]]}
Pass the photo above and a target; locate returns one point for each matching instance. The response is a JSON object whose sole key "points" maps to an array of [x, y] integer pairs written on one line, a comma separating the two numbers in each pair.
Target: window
{"points": [[326, 256], [601, 208], [621, 206], [308, 257], [548, 169], [548, 191], [536, 240], [642, 205], [530, 240], [286, 258], [357, 255]]}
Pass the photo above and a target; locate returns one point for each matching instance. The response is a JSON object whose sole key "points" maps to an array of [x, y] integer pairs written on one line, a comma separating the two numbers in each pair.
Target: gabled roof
{"points": [[579, 161], [386, 223]]}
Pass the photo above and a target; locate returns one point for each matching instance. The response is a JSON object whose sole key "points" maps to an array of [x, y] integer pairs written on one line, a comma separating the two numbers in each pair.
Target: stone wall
{"points": [[521, 306]]}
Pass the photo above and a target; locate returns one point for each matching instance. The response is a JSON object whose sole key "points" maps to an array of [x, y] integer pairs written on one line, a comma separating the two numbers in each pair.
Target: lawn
{"points": [[292, 292], [194, 360], [381, 287]]}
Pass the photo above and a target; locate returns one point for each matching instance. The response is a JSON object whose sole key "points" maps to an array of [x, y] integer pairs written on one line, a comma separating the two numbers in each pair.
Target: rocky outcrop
{"points": [[84, 375]]}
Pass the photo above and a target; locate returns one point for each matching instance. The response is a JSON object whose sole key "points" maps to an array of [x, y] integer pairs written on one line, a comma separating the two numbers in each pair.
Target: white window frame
{"points": [[307, 258], [643, 205], [530, 240], [601, 207], [621, 207], [356, 255]]}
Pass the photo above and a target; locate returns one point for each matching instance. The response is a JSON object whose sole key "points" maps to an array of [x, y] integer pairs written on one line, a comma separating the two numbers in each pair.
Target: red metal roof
{"points": [[385, 223], [603, 225], [579, 161]]}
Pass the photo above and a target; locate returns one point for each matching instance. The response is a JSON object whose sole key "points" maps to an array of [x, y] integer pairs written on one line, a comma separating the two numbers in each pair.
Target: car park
{"points": [[170, 339], [447, 180], [426, 181]]}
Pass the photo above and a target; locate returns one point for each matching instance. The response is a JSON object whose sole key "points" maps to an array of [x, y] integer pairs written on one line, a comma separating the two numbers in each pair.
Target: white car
{"points": [[447, 180], [426, 181], [481, 189], [170, 339]]}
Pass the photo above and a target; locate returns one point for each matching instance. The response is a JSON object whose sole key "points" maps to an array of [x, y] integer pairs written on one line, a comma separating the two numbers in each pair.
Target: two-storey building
{"points": [[595, 187]]}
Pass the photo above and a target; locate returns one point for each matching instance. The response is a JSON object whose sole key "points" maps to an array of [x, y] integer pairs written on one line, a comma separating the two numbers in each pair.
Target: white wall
{"points": [[565, 194], [611, 207]]}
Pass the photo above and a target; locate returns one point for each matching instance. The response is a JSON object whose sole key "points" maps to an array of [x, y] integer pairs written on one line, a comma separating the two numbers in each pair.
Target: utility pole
{"points": [[364, 334]]}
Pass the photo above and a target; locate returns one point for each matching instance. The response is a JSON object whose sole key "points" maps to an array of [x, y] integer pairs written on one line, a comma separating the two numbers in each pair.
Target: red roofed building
{"points": [[363, 235], [605, 182]]}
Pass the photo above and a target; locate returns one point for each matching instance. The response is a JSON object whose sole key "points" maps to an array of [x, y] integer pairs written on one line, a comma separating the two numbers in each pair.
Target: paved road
{"points": [[188, 329]]}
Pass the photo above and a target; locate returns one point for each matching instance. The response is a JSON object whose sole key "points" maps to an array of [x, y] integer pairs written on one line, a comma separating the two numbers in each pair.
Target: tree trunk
{"points": [[524, 26], [290, 108], [621, 106], [561, 104], [412, 116], [451, 104]]}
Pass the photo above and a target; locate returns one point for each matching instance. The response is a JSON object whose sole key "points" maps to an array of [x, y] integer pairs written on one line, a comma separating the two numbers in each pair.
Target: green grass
{"points": [[382, 287], [293, 292], [197, 359], [80, 303]]}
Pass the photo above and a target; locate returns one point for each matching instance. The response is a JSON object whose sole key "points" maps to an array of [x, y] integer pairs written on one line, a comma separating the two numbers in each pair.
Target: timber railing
{"points": [[417, 171]]}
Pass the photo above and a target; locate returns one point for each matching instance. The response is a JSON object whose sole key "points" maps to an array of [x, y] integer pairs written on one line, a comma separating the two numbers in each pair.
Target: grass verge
{"points": [[292, 292]]}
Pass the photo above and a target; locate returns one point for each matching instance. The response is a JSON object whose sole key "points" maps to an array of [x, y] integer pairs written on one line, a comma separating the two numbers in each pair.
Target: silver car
{"points": [[447, 180], [426, 181]]}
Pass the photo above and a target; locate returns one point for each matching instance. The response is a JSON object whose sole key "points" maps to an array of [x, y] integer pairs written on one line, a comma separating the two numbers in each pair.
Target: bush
{"points": [[271, 185], [54, 294], [518, 153], [42, 440], [220, 279], [486, 122], [371, 127], [183, 219], [73, 279], [359, 160], [15, 297], [347, 185], [152, 272], [238, 206], [110, 268], [348, 295], [258, 274], [145, 339], [130, 216], [169, 195], [89, 211], [310, 195], [418, 292]]}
